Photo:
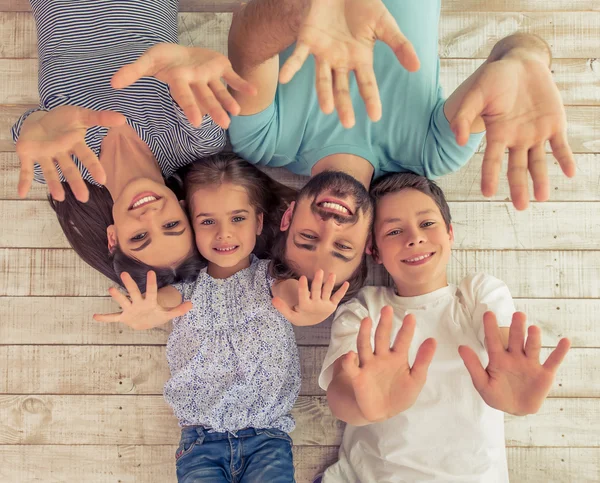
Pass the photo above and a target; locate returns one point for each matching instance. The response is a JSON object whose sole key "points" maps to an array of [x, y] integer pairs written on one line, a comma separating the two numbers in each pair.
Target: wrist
{"points": [[525, 47]]}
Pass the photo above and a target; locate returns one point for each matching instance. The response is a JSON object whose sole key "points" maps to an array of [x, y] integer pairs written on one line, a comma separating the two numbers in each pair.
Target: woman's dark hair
{"points": [[85, 224], [266, 195]]}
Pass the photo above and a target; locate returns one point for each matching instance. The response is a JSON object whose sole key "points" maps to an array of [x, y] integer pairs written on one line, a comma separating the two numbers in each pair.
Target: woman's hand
{"points": [[141, 312], [51, 138], [194, 78], [313, 306]]}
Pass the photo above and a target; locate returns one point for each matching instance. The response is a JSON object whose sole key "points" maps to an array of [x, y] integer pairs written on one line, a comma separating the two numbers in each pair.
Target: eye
{"points": [[341, 246], [208, 221], [427, 224], [394, 232], [237, 219], [138, 237], [308, 236], [170, 225]]}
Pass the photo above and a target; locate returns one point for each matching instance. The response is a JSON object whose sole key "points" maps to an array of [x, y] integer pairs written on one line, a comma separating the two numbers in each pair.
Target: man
{"points": [[511, 95]]}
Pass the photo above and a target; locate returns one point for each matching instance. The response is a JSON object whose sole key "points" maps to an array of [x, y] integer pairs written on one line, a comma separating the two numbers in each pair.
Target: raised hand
{"points": [[522, 109], [141, 312], [313, 306], [384, 383], [194, 78], [341, 35], [50, 138], [514, 381]]}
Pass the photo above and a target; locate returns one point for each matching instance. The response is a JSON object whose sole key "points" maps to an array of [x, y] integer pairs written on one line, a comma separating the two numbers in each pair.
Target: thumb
{"points": [[478, 374], [130, 73], [283, 308], [350, 364], [89, 118], [180, 310], [423, 359], [470, 108]]}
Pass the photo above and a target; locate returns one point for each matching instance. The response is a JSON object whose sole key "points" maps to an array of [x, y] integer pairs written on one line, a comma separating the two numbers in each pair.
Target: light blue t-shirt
{"points": [[412, 135]]}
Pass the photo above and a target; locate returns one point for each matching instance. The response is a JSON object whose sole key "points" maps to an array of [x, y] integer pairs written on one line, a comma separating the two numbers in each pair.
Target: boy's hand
{"points": [[141, 312], [384, 384], [313, 306], [341, 35], [514, 381], [194, 78]]}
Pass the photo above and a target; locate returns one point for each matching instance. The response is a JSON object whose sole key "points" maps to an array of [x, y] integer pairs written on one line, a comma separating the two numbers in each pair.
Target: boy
{"points": [[413, 412]]}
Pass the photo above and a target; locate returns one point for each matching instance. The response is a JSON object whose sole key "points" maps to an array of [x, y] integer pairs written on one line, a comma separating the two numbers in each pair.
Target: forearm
{"points": [[342, 401]]}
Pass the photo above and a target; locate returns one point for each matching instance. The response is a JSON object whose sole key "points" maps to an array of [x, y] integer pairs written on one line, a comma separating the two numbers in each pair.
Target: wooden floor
{"points": [[82, 401]]}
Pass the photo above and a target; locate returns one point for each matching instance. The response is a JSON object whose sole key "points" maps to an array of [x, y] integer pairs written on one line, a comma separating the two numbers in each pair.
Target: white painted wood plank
{"points": [[147, 420], [132, 370]]}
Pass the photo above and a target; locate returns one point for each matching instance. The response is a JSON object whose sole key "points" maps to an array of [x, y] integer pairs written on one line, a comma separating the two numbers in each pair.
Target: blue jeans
{"points": [[249, 456]]}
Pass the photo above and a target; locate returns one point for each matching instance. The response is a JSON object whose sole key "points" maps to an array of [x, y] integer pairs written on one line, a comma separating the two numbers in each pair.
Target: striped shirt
{"points": [[81, 44]]}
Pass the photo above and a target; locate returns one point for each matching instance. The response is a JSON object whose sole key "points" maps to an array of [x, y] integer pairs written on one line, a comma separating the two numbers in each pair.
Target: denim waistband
{"points": [[192, 433]]}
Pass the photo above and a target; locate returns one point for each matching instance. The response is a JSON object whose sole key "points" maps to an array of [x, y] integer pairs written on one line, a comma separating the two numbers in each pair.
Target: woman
{"points": [[104, 150]]}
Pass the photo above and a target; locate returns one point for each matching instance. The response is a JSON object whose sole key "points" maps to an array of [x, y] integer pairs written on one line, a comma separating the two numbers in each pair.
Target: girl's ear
{"points": [[111, 234], [259, 226], [286, 219]]}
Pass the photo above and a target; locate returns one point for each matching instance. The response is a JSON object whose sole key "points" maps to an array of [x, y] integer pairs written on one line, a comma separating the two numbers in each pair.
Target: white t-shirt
{"points": [[449, 434]]}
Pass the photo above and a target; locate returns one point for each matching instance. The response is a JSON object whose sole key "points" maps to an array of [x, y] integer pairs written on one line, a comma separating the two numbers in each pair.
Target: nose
{"points": [[223, 233], [415, 238], [148, 211]]}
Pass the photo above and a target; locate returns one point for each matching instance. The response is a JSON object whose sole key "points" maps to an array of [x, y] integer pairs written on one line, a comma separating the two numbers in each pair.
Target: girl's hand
{"points": [[50, 138], [514, 381], [384, 383], [141, 312], [315, 306], [194, 77]]}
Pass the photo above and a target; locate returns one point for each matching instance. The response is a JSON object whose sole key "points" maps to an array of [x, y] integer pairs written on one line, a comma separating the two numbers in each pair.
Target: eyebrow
{"points": [[312, 248], [149, 240], [395, 220], [234, 212]]}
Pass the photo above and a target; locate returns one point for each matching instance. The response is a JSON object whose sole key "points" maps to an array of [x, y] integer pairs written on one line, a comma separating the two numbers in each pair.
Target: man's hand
{"points": [[51, 138], [194, 78], [522, 109], [514, 381], [141, 312], [313, 306], [384, 384], [341, 35]]}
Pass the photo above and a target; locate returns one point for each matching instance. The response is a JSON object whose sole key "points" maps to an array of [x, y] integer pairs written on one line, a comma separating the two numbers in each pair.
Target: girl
{"points": [[235, 370], [129, 217]]}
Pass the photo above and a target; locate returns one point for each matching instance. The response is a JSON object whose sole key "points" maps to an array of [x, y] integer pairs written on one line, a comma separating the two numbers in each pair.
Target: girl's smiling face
{"points": [[226, 226]]}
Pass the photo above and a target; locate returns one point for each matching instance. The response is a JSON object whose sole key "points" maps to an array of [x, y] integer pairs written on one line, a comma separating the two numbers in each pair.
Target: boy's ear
{"points": [[259, 226], [111, 234], [451, 233], [286, 219]]}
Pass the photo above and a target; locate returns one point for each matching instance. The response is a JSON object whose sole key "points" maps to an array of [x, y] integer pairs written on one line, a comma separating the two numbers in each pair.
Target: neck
{"points": [[357, 167], [125, 157], [412, 290], [215, 271]]}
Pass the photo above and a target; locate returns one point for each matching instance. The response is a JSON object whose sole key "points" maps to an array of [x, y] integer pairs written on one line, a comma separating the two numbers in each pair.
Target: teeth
{"points": [[335, 206], [145, 199], [418, 259], [226, 249]]}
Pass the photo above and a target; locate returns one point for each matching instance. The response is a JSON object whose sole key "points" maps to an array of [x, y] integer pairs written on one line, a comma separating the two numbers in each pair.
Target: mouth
{"points": [[333, 205], [143, 199], [226, 250], [419, 259]]}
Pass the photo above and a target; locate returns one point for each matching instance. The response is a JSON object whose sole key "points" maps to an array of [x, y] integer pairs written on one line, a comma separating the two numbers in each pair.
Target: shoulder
{"points": [[368, 302], [479, 283]]}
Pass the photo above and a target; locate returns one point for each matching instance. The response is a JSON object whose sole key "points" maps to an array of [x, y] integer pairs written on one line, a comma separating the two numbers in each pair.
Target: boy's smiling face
{"points": [[412, 242]]}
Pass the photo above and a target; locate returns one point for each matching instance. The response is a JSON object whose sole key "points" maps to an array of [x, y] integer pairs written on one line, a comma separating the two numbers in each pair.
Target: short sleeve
{"points": [[484, 293], [344, 331], [186, 289], [16, 129], [441, 153]]}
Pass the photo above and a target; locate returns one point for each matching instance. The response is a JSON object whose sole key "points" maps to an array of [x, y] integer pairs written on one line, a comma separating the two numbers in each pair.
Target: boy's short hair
{"points": [[395, 182]]}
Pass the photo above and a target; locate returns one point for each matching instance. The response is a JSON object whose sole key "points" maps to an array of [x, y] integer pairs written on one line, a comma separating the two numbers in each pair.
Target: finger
{"points": [[563, 154], [493, 340], [404, 337], [90, 118], [116, 317], [341, 97], [533, 344], [87, 157], [208, 103], [350, 364], [340, 294], [25, 176], [324, 85], [479, 376], [284, 309], [389, 33], [73, 177], [151, 286], [490, 168], [539, 172], [471, 107], [383, 332], [367, 86], [517, 177], [224, 98], [317, 285], [119, 297], [183, 95], [180, 310], [558, 355], [363, 341], [294, 63], [239, 84], [303, 292], [328, 287], [423, 359], [55, 187], [131, 287], [516, 334], [130, 73]]}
